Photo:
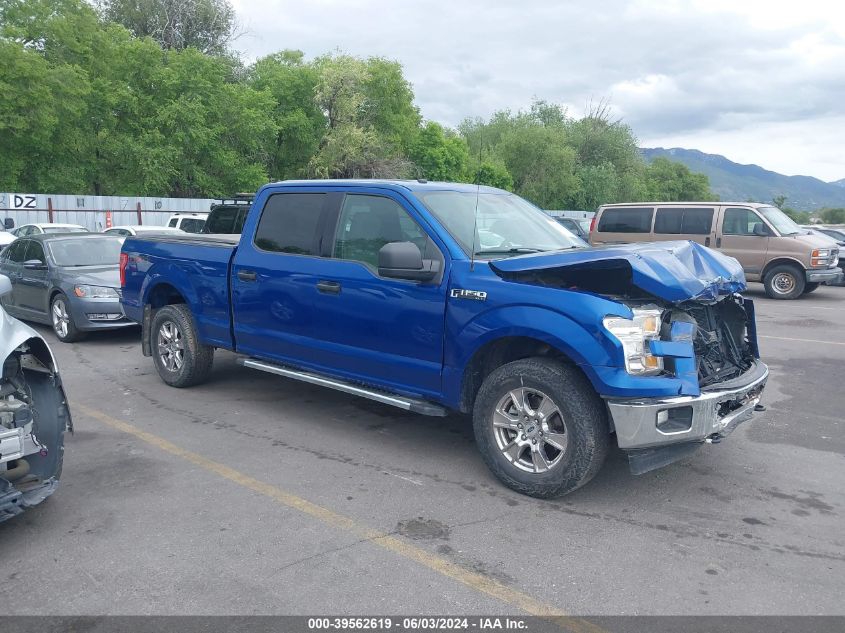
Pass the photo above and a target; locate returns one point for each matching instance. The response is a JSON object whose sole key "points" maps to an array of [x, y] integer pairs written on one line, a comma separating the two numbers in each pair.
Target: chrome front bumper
{"points": [[830, 275], [713, 414]]}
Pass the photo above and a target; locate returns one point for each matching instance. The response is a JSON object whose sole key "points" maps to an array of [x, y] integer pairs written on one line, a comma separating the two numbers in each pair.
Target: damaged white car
{"points": [[33, 416]]}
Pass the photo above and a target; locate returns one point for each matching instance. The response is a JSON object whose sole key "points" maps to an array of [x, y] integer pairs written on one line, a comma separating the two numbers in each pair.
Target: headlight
{"points": [[635, 334], [820, 257], [95, 292]]}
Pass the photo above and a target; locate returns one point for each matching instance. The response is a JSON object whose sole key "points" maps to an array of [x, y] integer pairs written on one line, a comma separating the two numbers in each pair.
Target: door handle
{"points": [[247, 275], [329, 287], [707, 241], [718, 242]]}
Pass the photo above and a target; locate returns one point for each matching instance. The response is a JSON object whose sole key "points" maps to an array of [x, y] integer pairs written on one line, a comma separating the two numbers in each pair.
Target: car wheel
{"points": [[810, 286], [784, 282], [180, 359], [62, 320], [540, 426]]}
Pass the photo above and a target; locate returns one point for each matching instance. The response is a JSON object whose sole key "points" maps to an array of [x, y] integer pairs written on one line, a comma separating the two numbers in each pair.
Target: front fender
{"points": [[584, 347]]}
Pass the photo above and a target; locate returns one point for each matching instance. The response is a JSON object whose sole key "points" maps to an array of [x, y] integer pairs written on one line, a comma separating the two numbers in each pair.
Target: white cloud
{"points": [[759, 80]]}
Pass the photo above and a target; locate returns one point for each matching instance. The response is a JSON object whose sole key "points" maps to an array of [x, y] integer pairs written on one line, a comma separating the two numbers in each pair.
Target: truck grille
{"points": [[722, 351]]}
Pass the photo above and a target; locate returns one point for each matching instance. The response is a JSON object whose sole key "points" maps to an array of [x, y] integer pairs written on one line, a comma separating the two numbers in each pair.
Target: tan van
{"points": [[772, 249]]}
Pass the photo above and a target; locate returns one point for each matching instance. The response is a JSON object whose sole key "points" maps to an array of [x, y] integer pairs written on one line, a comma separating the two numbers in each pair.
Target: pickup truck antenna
{"points": [[477, 196]]}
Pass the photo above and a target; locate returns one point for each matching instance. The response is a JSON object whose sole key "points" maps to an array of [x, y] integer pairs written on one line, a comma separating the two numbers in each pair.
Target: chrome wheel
{"points": [[783, 283], [530, 430], [171, 346], [61, 319]]}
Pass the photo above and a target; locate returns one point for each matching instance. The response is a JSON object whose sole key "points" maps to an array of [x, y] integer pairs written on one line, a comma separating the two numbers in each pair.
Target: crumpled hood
{"points": [[674, 271]]}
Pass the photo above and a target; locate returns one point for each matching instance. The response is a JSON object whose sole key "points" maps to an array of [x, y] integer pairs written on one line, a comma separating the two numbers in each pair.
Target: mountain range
{"points": [[737, 182]]}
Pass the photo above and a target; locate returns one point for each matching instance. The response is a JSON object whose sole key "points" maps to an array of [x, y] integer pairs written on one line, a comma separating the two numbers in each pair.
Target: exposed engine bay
{"points": [[33, 419], [722, 348]]}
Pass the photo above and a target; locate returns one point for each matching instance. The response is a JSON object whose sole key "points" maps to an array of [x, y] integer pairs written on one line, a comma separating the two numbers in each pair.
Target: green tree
{"points": [[301, 124], [833, 216], [439, 155], [670, 181], [207, 25], [362, 139]]}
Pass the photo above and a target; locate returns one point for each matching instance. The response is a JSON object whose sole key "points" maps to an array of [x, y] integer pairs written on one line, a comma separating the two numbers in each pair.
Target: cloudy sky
{"points": [[757, 81]]}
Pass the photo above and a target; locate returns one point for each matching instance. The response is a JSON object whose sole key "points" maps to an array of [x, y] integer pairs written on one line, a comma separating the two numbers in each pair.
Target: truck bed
{"points": [[195, 266]]}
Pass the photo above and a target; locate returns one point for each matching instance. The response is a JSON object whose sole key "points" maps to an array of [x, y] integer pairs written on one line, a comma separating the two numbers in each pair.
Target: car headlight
{"points": [[635, 334], [95, 292], [820, 257]]}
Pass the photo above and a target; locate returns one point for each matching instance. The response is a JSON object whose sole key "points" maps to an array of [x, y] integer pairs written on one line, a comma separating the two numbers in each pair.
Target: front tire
{"points": [[62, 320], [180, 359], [540, 427], [784, 282]]}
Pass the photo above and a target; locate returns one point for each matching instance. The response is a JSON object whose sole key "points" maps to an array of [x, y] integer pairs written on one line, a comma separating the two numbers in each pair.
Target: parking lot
{"points": [[254, 494]]}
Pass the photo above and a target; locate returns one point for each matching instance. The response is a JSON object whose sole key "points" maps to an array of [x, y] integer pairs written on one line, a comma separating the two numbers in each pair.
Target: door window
{"points": [[17, 251], [173, 222], [369, 222], [740, 221], [626, 220], [35, 251], [680, 220], [290, 223]]}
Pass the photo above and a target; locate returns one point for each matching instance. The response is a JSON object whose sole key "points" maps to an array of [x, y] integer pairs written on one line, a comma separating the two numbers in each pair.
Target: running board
{"points": [[403, 402]]}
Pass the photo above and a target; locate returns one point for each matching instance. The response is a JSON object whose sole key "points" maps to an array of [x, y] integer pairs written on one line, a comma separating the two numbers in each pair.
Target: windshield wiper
{"points": [[507, 251]]}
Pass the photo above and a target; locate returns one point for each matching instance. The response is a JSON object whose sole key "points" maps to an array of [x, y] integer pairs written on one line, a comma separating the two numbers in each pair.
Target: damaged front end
{"points": [[681, 323], [33, 418]]}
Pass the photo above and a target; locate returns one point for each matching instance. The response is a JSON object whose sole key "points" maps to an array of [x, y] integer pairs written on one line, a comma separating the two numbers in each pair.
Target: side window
{"points": [[239, 222], [290, 223], [34, 251], [678, 220], [738, 221], [626, 220], [369, 222], [173, 222], [192, 225], [17, 251], [221, 220]]}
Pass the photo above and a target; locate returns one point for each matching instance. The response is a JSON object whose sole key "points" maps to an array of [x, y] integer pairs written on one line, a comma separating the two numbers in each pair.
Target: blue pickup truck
{"points": [[440, 297]]}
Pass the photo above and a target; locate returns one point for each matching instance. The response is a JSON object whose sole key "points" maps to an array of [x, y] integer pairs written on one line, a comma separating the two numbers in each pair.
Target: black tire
{"points": [[193, 365], [810, 286], [581, 414], [62, 320], [784, 282]]}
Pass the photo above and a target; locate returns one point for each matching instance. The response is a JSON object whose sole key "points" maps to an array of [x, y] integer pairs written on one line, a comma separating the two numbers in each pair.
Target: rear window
{"points": [[226, 220], [290, 223], [679, 220], [626, 220]]}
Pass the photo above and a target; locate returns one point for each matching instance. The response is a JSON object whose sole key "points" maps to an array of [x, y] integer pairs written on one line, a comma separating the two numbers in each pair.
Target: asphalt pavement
{"points": [[253, 494]]}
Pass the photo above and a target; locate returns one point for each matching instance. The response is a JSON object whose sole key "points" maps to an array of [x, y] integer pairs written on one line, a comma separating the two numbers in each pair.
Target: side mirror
{"points": [[403, 260], [760, 230], [34, 264], [8, 223], [5, 285]]}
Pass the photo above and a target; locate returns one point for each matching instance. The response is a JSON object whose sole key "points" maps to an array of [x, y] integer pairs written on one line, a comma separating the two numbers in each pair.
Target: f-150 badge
{"points": [[476, 295]]}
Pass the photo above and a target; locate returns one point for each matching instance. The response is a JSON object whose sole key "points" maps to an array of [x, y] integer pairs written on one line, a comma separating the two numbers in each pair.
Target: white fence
{"points": [[93, 212]]}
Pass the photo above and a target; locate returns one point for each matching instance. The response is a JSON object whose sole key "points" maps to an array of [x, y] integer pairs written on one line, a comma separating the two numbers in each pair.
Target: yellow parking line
{"points": [[800, 340], [474, 580]]}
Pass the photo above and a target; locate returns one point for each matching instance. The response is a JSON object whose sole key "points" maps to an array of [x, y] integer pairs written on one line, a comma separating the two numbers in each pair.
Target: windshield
{"points": [[783, 223], [837, 235], [506, 223], [100, 251], [65, 229]]}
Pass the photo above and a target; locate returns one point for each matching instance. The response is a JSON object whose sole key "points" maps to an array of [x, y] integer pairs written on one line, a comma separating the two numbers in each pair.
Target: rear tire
{"points": [[784, 282], [555, 444], [810, 286], [180, 359]]}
